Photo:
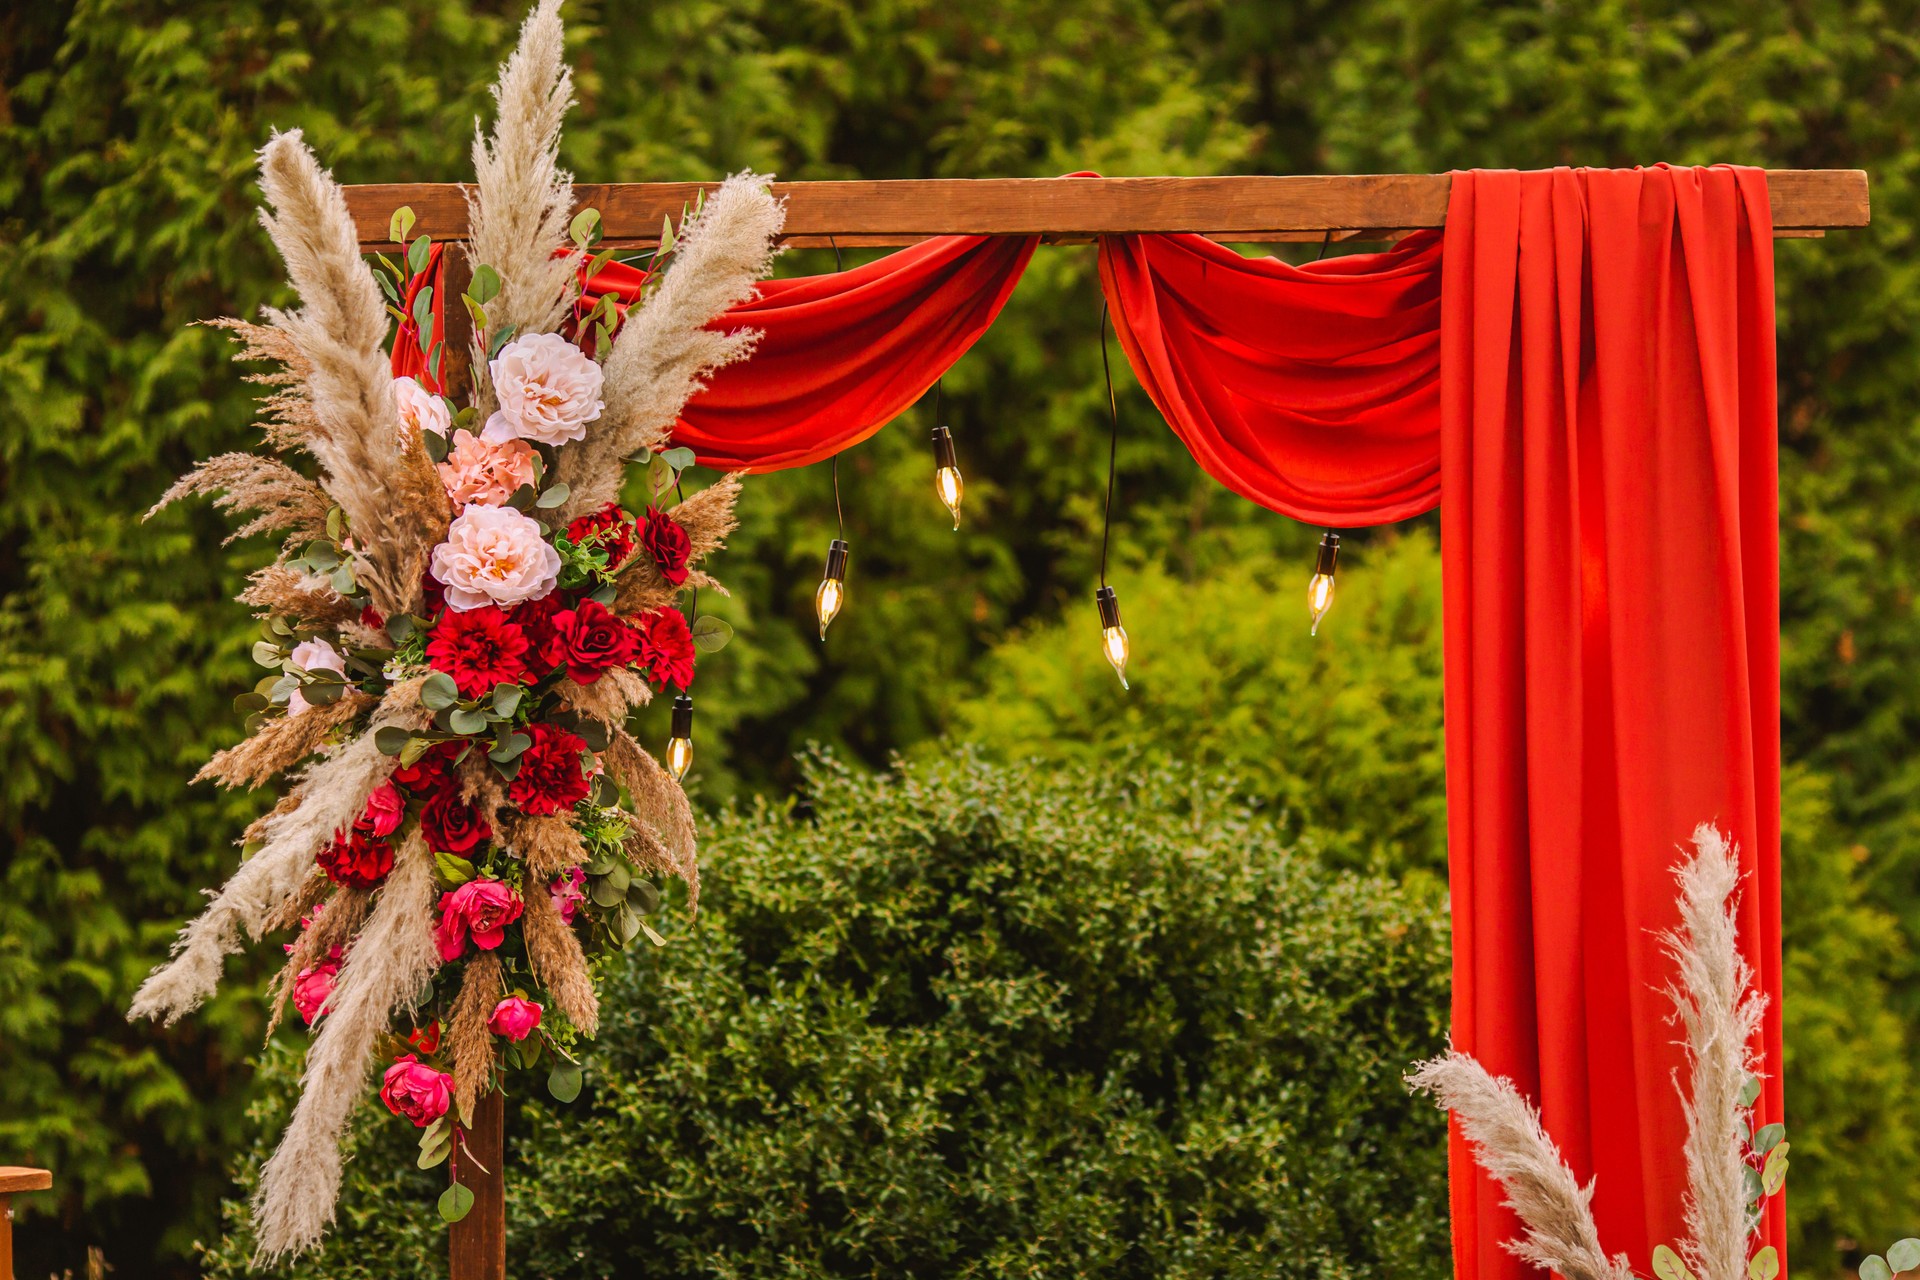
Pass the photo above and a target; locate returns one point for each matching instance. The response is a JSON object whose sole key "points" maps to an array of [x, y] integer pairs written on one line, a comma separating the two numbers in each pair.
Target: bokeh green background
{"points": [[126, 133]]}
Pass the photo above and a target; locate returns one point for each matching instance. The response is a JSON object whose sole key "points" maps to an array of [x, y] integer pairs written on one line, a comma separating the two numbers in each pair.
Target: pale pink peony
{"points": [[311, 987], [568, 892], [494, 555], [415, 1090], [549, 390], [313, 655], [515, 1018], [476, 471], [421, 408]]}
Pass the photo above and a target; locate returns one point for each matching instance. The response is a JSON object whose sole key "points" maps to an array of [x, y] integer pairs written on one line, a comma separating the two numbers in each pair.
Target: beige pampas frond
{"points": [[376, 470], [660, 803], [334, 791], [664, 350], [1511, 1145], [521, 200], [469, 1042], [392, 960], [282, 743], [288, 593], [286, 501], [1715, 1002], [548, 845], [608, 699], [556, 958], [287, 417]]}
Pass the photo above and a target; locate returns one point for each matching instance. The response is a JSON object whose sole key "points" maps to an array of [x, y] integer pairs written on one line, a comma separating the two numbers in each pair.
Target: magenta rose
{"points": [[311, 987], [479, 910], [417, 1091], [515, 1018], [385, 808], [568, 892]]}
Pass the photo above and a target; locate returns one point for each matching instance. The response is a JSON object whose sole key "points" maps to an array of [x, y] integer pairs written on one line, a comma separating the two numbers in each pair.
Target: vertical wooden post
{"points": [[13, 1180], [477, 1244]]}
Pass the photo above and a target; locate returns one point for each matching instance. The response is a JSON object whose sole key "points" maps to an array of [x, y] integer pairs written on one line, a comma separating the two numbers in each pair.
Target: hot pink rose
{"points": [[515, 1018], [494, 555], [313, 655], [568, 892], [311, 987], [420, 408], [480, 910], [385, 809], [549, 390], [488, 474], [417, 1091]]}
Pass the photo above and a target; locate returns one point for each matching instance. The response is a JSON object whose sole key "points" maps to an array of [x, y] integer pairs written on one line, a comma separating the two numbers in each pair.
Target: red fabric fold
{"points": [[1314, 391], [1610, 554]]}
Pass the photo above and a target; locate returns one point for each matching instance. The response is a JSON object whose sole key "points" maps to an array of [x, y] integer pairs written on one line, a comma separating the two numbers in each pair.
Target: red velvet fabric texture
{"points": [[1314, 391], [1610, 552]]}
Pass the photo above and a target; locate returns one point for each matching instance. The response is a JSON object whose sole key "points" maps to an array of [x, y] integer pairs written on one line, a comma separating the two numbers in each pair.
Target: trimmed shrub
{"points": [[976, 1020]]}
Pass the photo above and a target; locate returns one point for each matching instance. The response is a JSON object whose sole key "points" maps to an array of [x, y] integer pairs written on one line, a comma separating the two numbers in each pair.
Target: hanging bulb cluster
{"points": [[946, 477], [1320, 587], [1113, 636], [832, 592], [680, 740]]}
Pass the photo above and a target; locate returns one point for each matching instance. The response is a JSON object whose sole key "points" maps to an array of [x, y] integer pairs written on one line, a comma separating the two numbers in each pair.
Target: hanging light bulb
{"points": [[1113, 636], [946, 479], [680, 741], [1320, 589], [833, 585]]}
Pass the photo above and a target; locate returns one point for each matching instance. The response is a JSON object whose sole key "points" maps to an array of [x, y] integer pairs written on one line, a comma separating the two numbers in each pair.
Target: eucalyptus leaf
{"points": [[506, 700], [342, 579], [620, 875], [423, 307], [1874, 1267], [605, 792], [389, 740], [1905, 1255], [248, 703], [1768, 1137], [476, 311], [554, 496], [452, 869], [1750, 1091], [563, 1082], [594, 732], [416, 747], [455, 1203], [584, 227], [604, 594], [679, 457], [436, 446], [604, 894], [336, 523], [268, 655], [499, 340], [1765, 1264], [438, 691], [510, 749], [710, 634], [399, 627], [521, 498], [417, 254], [660, 476], [643, 897], [400, 225], [1667, 1264], [323, 693], [485, 285], [468, 720]]}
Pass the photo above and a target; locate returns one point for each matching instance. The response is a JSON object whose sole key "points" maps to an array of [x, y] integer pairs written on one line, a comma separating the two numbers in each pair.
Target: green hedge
{"points": [[977, 1020]]}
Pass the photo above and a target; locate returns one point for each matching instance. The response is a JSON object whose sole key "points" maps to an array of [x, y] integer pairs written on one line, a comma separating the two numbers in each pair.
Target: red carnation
{"points": [[356, 860], [432, 772], [537, 621], [451, 825], [551, 777], [666, 646], [609, 529], [479, 648], [592, 639], [668, 544]]}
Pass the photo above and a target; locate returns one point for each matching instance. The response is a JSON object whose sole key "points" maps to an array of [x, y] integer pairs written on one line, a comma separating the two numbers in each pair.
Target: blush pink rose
{"points": [[549, 390], [476, 471], [515, 1018], [421, 408], [568, 892], [415, 1090], [479, 910], [311, 987], [494, 555], [313, 655]]}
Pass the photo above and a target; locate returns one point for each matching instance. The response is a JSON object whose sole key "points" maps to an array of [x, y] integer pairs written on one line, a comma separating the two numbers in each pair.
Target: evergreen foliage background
{"points": [[126, 132]]}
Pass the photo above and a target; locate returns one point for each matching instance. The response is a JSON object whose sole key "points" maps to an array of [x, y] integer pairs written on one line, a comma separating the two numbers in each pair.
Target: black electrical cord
{"points": [[1113, 444]]}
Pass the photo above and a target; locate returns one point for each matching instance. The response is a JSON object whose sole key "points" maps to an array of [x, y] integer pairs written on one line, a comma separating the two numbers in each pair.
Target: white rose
{"points": [[494, 555], [548, 389], [421, 408], [313, 655]]}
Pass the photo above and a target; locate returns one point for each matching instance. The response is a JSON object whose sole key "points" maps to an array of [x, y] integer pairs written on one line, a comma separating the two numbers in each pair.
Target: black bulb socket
{"points": [[943, 455], [683, 717], [837, 560], [1329, 552], [1109, 607]]}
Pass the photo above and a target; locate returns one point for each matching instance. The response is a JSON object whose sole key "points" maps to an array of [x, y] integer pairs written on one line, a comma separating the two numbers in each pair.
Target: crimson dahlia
{"points": [[666, 646], [479, 648]]}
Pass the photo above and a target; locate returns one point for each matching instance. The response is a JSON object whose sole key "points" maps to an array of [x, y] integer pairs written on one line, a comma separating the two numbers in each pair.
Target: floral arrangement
{"points": [[459, 621]]}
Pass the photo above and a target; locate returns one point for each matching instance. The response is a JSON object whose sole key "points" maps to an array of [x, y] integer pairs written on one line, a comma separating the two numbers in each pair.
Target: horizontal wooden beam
{"points": [[899, 212]]}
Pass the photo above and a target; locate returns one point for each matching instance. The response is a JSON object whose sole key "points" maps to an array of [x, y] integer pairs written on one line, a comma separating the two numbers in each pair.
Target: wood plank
{"points": [[477, 1244], [14, 1179], [867, 214]]}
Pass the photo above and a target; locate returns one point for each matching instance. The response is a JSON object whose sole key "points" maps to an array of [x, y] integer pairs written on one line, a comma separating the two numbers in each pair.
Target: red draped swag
{"points": [[1579, 371]]}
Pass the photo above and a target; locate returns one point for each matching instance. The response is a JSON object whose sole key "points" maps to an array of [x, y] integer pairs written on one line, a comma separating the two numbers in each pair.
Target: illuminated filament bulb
{"points": [[1113, 636], [1320, 589], [946, 478], [680, 741], [832, 594]]}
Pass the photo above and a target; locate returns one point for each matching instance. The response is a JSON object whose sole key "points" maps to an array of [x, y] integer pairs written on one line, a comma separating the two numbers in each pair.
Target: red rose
{"points": [[384, 812], [666, 646], [537, 621], [609, 529], [451, 825], [435, 593], [479, 648], [426, 1039], [356, 860], [668, 544], [478, 911], [371, 617], [432, 772], [551, 777], [592, 640], [415, 1090]]}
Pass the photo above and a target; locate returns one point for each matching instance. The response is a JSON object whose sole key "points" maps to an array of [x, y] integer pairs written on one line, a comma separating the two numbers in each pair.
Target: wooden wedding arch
{"points": [[1251, 209]]}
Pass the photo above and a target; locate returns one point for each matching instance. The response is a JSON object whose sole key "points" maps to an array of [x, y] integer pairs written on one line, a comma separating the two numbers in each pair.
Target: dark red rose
{"points": [[356, 860], [431, 772], [536, 620], [371, 617], [666, 646], [479, 648], [435, 593], [451, 825], [668, 544], [551, 776], [426, 1039], [609, 529], [594, 639]]}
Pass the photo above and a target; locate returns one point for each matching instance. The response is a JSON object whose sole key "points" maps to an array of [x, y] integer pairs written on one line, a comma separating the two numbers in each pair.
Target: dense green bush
{"points": [[981, 1021]]}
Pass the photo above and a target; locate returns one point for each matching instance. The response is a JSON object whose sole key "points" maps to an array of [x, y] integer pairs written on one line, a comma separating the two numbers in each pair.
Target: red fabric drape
{"points": [[407, 359], [1312, 390], [1612, 648]]}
